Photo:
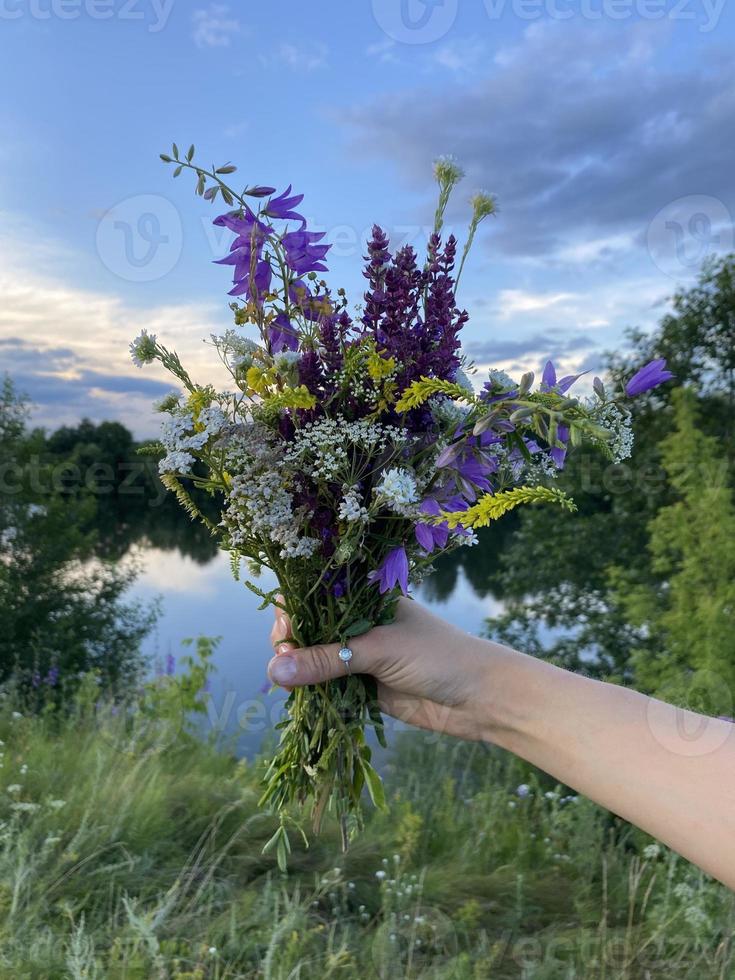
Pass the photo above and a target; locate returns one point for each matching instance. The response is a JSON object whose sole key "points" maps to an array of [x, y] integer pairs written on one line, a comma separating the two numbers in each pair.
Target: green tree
{"points": [[553, 575], [687, 618], [62, 613], [131, 505]]}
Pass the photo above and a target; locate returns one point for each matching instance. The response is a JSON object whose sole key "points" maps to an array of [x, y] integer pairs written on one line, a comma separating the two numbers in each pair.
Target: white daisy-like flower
{"points": [[397, 488], [286, 360], [464, 381], [501, 380], [143, 348]]}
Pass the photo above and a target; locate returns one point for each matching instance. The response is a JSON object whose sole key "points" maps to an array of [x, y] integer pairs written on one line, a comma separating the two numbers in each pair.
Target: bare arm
{"points": [[669, 771]]}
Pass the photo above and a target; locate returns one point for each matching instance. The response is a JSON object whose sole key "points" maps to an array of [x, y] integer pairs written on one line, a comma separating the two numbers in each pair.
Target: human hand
{"points": [[429, 673]]}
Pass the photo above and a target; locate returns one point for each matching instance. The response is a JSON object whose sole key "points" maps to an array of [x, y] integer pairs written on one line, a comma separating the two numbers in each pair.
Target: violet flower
{"points": [[559, 453], [254, 287], [282, 206], [549, 381], [653, 374], [250, 237], [302, 253], [431, 536], [393, 572], [282, 334]]}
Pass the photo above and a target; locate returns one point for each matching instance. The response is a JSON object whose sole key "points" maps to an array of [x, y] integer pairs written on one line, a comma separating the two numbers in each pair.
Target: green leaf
{"points": [[374, 785], [521, 446], [175, 151], [190, 153], [282, 855], [228, 168], [178, 170], [228, 198], [272, 841], [357, 628], [165, 157]]}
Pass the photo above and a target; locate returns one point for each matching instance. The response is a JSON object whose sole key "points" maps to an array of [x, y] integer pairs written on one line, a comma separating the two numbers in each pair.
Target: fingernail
{"points": [[284, 648], [282, 670]]}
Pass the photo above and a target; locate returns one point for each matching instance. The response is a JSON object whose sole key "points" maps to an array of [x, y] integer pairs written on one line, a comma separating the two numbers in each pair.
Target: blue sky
{"points": [[605, 127]]}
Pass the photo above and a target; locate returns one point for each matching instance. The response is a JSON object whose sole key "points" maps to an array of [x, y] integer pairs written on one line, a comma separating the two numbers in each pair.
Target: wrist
{"points": [[504, 699]]}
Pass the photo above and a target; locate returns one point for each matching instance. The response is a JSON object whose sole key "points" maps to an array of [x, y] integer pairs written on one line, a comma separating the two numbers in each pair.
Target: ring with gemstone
{"points": [[345, 655]]}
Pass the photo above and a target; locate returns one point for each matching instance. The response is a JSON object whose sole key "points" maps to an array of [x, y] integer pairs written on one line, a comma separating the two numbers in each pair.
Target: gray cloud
{"points": [[577, 131], [504, 349], [36, 373]]}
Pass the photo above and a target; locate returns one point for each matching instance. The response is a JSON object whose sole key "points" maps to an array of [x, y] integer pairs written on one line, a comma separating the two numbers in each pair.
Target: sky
{"points": [[606, 128]]}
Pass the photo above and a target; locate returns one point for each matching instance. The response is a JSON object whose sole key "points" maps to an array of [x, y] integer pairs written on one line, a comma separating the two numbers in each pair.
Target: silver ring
{"points": [[345, 655]]}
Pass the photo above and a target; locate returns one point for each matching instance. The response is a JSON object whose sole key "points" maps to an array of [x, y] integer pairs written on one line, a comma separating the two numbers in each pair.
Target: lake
{"points": [[201, 598]]}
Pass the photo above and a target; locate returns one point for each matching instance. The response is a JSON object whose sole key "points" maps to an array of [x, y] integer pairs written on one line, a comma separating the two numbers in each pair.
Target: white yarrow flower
{"points": [[351, 508], [176, 462], [619, 424]]}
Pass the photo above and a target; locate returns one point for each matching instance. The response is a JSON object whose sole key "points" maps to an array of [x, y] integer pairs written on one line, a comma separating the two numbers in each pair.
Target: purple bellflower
{"points": [[393, 572], [431, 536], [282, 334], [302, 253], [653, 374], [559, 453], [282, 207], [549, 380]]}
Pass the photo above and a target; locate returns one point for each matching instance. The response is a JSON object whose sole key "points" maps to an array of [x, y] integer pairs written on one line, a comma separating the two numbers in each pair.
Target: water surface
{"points": [[203, 599]]}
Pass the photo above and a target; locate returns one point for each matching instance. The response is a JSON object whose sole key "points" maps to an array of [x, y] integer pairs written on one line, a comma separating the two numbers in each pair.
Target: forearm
{"points": [[669, 771]]}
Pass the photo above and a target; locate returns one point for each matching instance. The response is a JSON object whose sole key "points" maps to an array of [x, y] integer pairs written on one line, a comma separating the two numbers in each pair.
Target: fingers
{"points": [[313, 665], [281, 629]]}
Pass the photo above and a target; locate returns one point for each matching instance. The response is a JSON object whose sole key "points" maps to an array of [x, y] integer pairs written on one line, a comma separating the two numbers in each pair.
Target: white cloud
{"points": [[63, 341], [169, 571], [214, 27], [512, 301], [302, 59], [461, 55], [384, 51]]}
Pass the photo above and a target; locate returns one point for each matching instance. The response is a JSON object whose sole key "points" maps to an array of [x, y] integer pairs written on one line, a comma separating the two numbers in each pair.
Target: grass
{"points": [[128, 849]]}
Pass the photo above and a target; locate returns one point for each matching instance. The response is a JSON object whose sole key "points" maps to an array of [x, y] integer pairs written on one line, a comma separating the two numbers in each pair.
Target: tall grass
{"points": [[129, 849]]}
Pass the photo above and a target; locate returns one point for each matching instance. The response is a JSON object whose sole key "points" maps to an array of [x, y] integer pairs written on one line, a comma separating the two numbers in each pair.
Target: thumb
{"points": [[312, 665]]}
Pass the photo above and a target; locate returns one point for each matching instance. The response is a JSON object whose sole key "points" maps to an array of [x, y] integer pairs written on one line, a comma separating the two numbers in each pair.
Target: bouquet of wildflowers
{"points": [[352, 449]]}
